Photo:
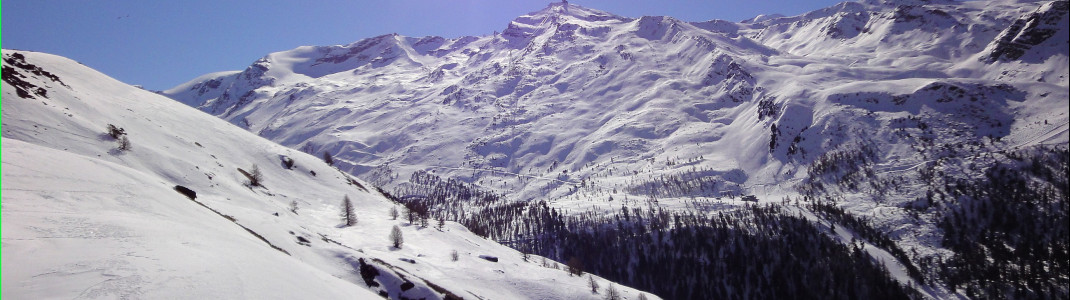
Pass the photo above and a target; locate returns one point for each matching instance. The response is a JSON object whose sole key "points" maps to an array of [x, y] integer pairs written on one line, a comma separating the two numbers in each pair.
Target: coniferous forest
{"points": [[1008, 231], [758, 251]]}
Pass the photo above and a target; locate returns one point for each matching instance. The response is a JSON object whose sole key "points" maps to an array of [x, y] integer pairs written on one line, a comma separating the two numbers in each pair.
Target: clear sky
{"points": [[160, 44]]}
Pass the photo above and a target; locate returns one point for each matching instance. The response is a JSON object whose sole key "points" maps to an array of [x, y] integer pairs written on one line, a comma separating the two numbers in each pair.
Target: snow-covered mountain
{"points": [[894, 119], [110, 191], [570, 96]]}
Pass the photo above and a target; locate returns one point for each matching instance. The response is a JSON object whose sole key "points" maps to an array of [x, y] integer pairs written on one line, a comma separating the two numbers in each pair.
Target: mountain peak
{"points": [[561, 9], [524, 27], [905, 2]]}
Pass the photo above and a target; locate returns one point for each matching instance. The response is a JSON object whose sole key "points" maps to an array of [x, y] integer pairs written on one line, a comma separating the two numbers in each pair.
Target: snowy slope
{"points": [[84, 219], [82, 227]]}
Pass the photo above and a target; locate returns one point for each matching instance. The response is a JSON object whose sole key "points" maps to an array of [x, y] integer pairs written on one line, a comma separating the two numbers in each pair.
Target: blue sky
{"points": [[160, 44]]}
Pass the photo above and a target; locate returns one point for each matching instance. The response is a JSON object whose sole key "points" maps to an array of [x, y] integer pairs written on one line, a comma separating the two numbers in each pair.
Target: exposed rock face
{"points": [[1028, 31]]}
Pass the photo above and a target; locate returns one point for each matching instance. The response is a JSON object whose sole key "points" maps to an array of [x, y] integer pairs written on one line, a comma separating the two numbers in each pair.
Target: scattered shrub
{"points": [[115, 132], [124, 143]]}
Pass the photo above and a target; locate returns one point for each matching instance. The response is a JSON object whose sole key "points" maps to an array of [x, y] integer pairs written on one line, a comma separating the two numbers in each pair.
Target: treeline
{"points": [[686, 184], [756, 252], [751, 252]]}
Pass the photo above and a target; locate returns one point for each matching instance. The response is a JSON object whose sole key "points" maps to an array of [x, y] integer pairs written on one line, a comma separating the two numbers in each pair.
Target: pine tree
{"points": [[592, 283], [394, 213], [256, 178], [349, 217], [396, 238], [327, 158], [612, 293]]}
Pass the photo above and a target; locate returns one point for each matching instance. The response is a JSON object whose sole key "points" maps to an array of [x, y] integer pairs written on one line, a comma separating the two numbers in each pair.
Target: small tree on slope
{"points": [[349, 217], [255, 177], [612, 293], [119, 135], [592, 283], [395, 237], [327, 158]]}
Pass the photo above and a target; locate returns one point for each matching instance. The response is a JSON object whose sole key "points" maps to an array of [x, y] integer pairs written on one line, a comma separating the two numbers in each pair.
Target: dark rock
{"points": [[368, 273], [186, 191], [407, 286]]}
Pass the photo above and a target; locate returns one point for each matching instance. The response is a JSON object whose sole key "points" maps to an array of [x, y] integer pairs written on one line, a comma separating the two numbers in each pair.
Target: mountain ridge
{"points": [[514, 79]]}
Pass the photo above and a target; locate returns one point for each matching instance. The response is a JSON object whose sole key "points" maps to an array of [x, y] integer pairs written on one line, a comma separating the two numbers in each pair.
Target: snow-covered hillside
{"points": [[867, 105], [84, 218]]}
